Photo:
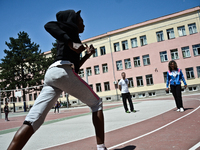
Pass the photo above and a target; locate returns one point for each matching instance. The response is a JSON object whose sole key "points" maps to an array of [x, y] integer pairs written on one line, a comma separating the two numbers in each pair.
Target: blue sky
{"points": [[100, 16]]}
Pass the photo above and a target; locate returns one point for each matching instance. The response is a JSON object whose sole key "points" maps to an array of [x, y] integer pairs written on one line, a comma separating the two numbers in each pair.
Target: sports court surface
{"points": [[155, 126]]}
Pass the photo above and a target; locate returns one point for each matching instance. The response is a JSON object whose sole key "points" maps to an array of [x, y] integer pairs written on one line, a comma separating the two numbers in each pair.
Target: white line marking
{"points": [[195, 146], [152, 131]]}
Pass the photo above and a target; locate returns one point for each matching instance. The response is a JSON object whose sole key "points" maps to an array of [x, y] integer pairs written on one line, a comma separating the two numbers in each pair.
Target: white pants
{"points": [[58, 79]]}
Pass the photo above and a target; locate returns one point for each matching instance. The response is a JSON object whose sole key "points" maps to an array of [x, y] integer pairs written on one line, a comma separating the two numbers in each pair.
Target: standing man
{"points": [[6, 111], [123, 87]]}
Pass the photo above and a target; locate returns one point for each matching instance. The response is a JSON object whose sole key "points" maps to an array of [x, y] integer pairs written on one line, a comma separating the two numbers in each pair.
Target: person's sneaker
{"points": [[178, 110], [128, 112], [181, 110], [134, 111]]}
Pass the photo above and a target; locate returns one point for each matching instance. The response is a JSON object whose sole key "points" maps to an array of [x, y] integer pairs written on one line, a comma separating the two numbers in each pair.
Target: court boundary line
{"points": [[195, 146], [154, 130]]}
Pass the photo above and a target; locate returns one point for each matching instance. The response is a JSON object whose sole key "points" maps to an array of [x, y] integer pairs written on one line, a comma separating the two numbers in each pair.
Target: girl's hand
{"points": [[77, 47], [167, 89], [90, 50], [185, 86]]}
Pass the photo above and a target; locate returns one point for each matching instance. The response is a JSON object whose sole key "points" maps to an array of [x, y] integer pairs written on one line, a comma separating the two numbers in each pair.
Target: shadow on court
{"points": [[188, 108], [130, 147]]}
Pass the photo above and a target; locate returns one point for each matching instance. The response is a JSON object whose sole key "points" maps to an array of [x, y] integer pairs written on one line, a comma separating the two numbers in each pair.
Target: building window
{"points": [[194, 88], [116, 47], [152, 94], [181, 31], [125, 45], [134, 42], [165, 76], [141, 95], [170, 33], [139, 81], [163, 56], [146, 60], [143, 40], [91, 86], [105, 68], [96, 53], [106, 86], [81, 73], [30, 97], [19, 100], [192, 28], [149, 79], [196, 49], [198, 71], [103, 50], [98, 87], [119, 65], [160, 36], [136, 61], [35, 96], [96, 69], [89, 71], [185, 52], [130, 82], [174, 54], [127, 63], [189, 73]]}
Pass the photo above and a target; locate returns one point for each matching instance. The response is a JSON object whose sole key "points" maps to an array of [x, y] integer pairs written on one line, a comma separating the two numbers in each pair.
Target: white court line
{"points": [[153, 131], [195, 146]]}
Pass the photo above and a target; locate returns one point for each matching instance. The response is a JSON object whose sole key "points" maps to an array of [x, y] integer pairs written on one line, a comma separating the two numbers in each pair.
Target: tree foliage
{"points": [[24, 65]]}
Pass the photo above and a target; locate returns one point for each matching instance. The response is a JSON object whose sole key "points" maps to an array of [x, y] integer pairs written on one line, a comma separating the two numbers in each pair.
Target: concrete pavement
{"points": [[80, 127]]}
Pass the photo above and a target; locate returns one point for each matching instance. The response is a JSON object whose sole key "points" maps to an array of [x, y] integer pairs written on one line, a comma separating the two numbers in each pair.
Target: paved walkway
{"points": [[72, 129]]}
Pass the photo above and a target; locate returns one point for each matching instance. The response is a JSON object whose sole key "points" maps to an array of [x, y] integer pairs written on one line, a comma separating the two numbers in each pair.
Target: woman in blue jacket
{"points": [[174, 77]]}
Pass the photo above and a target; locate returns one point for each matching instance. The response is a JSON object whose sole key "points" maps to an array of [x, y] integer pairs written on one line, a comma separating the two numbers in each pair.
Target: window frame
{"points": [[89, 71], [96, 70], [97, 87], [137, 61], [140, 81], [182, 31], [103, 50], [163, 54], [149, 78], [116, 47], [120, 65], [188, 72], [170, 33], [160, 36], [143, 40], [132, 43], [172, 52], [125, 45], [127, 63], [103, 68], [185, 51], [107, 86], [147, 59]]}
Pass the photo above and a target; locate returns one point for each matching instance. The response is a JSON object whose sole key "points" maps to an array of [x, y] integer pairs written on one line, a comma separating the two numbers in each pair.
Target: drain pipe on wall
{"points": [[115, 82]]}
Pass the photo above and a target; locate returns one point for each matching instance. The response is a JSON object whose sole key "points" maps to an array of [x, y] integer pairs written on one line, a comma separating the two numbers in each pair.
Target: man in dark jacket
{"points": [[6, 111], [61, 76]]}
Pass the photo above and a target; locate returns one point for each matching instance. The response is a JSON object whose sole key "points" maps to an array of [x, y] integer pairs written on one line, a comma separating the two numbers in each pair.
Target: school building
{"points": [[143, 52]]}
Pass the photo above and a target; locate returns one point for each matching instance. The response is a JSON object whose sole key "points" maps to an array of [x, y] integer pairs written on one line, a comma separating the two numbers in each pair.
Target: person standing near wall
{"points": [[6, 111], [123, 87], [174, 77]]}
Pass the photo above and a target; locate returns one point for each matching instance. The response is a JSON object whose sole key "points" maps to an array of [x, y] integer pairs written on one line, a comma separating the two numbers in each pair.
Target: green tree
{"points": [[23, 66]]}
